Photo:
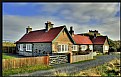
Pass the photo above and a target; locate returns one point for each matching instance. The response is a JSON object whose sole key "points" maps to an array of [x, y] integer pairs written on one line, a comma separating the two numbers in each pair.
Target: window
{"points": [[21, 47], [106, 47], [62, 48], [83, 47], [90, 47], [28, 47], [59, 48], [74, 48]]}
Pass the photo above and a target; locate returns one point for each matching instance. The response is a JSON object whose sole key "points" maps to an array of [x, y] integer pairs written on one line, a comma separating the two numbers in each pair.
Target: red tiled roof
{"points": [[79, 39], [99, 40], [41, 35]]}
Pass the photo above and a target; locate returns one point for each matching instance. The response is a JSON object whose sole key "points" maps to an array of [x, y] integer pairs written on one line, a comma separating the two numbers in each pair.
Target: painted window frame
{"points": [[74, 48], [62, 48], [21, 47], [29, 47]]}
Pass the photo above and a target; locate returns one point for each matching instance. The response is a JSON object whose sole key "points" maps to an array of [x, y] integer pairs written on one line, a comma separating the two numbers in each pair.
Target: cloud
{"points": [[82, 12], [77, 15], [14, 26]]}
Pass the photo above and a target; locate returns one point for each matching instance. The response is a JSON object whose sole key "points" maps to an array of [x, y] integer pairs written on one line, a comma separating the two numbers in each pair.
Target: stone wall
{"points": [[42, 47]]}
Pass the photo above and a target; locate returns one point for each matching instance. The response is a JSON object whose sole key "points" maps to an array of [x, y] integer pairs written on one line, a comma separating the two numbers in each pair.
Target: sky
{"points": [[104, 17]]}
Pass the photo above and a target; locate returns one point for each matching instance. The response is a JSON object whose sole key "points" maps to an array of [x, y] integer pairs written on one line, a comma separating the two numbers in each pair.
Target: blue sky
{"points": [[82, 16]]}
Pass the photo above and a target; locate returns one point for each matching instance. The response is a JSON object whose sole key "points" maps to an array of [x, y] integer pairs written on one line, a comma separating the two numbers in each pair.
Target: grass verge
{"points": [[111, 68], [4, 56], [83, 61], [26, 69]]}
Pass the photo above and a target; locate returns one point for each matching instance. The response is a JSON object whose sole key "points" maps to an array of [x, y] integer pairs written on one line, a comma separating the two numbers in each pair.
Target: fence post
{"points": [[70, 55], [47, 61]]}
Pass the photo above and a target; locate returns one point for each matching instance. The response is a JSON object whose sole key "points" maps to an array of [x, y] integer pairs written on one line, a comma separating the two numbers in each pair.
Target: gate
{"points": [[58, 59]]}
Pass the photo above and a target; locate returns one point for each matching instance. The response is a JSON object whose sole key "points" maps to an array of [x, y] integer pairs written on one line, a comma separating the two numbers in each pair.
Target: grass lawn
{"points": [[26, 69], [4, 56]]}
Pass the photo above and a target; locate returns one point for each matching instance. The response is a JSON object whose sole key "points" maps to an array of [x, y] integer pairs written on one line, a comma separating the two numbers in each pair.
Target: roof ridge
{"points": [[58, 27], [38, 30], [45, 29]]}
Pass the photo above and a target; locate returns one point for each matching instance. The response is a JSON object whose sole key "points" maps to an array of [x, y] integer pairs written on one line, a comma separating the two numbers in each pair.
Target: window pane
{"points": [[59, 48], [62, 47], [21, 47], [65, 47], [28, 47], [83, 47], [74, 47]]}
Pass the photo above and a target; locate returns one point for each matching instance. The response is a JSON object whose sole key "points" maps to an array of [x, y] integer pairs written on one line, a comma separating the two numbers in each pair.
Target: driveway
{"points": [[72, 68]]}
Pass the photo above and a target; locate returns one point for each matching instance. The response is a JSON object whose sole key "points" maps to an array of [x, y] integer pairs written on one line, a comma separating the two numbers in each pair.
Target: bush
{"points": [[119, 49], [112, 49]]}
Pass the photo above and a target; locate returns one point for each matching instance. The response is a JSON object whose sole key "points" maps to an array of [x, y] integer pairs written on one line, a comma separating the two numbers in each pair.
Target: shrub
{"points": [[119, 49], [112, 49]]}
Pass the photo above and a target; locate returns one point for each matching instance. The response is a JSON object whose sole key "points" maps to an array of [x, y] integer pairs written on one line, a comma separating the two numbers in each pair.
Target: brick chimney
{"points": [[29, 29], [71, 31], [49, 25]]}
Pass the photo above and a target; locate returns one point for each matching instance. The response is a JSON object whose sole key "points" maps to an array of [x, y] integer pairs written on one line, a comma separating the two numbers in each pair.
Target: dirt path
{"points": [[72, 68]]}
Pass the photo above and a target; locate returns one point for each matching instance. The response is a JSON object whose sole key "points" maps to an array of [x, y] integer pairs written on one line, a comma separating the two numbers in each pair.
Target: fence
{"points": [[47, 60], [8, 49], [76, 58], [20, 62], [8, 46]]}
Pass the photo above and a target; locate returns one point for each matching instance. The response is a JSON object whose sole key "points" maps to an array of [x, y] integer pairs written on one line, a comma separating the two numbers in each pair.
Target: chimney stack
{"points": [[29, 29], [95, 35], [71, 31], [49, 25]]}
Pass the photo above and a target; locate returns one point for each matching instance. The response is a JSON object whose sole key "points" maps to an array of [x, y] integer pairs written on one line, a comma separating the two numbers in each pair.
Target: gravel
{"points": [[72, 68]]}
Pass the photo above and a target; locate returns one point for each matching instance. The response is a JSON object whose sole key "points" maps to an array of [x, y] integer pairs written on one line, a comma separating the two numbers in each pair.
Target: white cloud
{"points": [[82, 11], [14, 26], [73, 14]]}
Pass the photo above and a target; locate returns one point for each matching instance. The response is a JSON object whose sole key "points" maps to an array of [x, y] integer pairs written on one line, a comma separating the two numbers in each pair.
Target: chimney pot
{"points": [[29, 29], [49, 25]]}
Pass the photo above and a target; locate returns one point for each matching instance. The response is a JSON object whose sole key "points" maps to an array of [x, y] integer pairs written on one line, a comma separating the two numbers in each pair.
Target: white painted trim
{"points": [[29, 45], [64, 48]]}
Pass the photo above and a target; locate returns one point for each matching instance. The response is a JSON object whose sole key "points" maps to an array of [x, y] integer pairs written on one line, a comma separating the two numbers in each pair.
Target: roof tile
{"points": [[99, 40], [79, 39]]}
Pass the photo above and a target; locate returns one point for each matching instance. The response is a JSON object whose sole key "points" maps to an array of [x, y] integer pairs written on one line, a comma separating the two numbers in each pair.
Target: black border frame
{"points": [[1, 27]]}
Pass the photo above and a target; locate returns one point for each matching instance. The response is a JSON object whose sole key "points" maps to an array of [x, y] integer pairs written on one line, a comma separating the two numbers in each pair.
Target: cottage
{"points": [[82, 43], [49, 40], [100, 43]]}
